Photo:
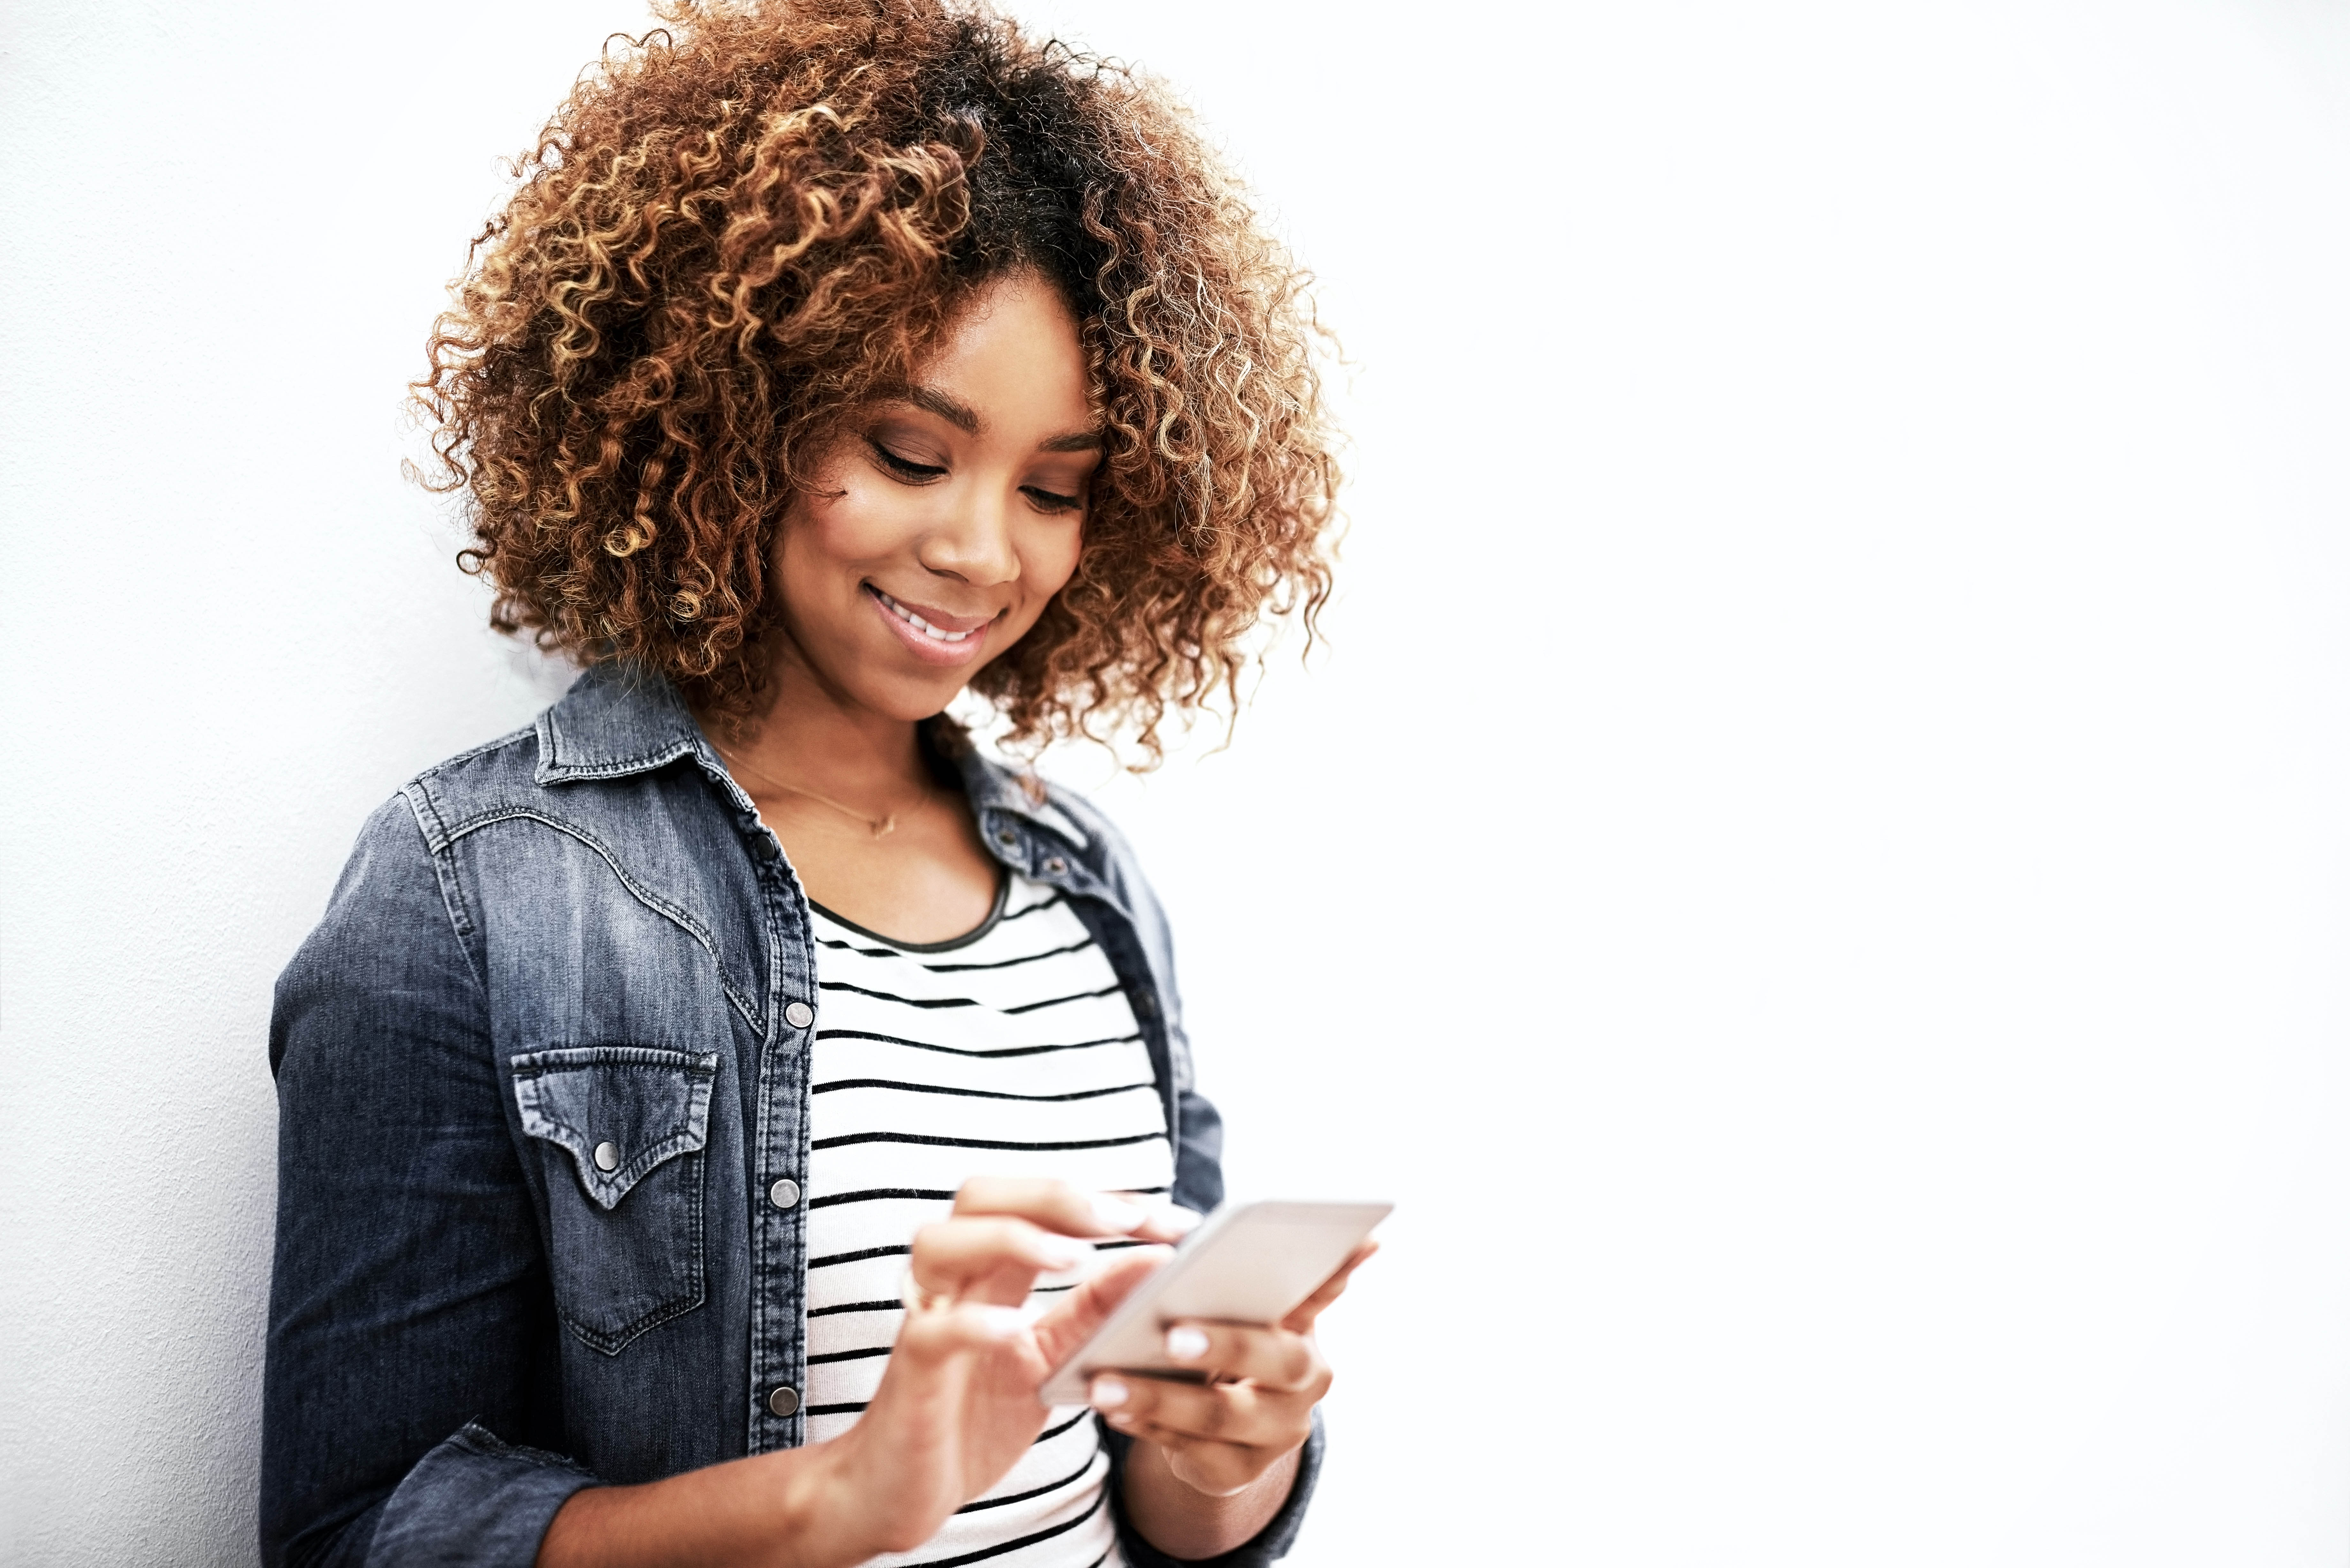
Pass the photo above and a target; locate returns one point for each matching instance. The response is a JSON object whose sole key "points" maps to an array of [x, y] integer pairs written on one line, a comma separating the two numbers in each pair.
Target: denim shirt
{"points": [[538, 1069]]}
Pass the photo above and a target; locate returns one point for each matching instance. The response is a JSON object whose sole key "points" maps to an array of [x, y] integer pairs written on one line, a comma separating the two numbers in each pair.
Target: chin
{"points": [[909, 702]]}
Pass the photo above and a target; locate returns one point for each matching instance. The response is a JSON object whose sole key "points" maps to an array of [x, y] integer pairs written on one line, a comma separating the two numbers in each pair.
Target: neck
{"points": [[813, 735]]}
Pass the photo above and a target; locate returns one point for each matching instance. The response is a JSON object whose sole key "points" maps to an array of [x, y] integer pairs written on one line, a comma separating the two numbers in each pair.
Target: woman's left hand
{"points": [[1256, 1408]]}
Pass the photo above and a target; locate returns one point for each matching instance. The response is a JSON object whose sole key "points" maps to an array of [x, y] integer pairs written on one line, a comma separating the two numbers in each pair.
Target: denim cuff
{"points": [[474, 1502], [1267, 1545]]}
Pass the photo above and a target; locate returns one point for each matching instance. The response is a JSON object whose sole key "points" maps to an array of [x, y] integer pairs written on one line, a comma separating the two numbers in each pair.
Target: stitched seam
{"points": [[444, 875], [615, 1341], [689, 1139], [682, 919], [642, 763], [551, 768]]}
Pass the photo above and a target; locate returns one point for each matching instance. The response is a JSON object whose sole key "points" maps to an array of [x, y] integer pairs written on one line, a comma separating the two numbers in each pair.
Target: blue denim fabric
{"points": [[536, 1069]]}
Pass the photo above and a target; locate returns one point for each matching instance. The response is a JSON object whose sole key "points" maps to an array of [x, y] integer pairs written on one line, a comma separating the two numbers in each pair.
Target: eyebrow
{"points": [[965, 418]]}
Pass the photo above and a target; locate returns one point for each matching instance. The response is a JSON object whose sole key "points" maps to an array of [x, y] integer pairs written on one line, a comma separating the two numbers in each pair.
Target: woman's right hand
{"points": [[955, 1410], [958, 1407]]}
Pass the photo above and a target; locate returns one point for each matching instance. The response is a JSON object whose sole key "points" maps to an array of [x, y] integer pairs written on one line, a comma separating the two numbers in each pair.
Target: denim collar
{"points": [[623, 719]]}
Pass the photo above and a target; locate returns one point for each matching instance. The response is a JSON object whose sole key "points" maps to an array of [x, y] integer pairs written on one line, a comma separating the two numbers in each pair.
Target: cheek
{"points": [[863, 523], [828, 543], [1049, 558]]}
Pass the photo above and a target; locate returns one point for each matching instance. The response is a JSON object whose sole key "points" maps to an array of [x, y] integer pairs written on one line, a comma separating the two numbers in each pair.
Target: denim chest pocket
{"points": [[621, 1130]]}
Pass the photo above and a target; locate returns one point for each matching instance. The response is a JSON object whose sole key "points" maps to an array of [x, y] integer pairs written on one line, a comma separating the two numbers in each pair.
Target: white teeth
{"points": [[919, 624]]}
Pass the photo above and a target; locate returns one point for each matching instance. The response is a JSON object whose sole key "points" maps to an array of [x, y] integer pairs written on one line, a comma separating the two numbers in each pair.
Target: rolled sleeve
{"points": [[474, 1502]]}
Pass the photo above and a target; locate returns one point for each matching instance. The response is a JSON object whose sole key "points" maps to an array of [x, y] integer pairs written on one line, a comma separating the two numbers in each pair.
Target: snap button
{"points": [[1056, 866], [799, 1015], [784, 1400], [785, 1193], [607, 1156]]}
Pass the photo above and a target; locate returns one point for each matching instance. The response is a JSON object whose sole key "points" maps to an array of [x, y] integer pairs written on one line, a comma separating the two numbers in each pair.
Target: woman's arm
{"points": [[955, 1410], [1214, 1462], [408, 1299]]}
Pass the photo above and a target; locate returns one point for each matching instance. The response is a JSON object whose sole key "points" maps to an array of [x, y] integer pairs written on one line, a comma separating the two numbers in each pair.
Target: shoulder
{"points": [[619, 725], [499, 774]]}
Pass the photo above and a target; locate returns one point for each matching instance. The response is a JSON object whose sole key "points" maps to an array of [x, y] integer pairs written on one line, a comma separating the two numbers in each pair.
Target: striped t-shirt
{"points": [[1009, 1052]]}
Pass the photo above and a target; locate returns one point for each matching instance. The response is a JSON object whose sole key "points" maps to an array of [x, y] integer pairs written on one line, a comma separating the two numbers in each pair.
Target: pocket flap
{"points": [[637, 1106]]}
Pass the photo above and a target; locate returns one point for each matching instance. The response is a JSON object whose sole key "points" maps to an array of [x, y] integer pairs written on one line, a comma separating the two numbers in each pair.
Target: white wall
{"points": [[1816, 870]]}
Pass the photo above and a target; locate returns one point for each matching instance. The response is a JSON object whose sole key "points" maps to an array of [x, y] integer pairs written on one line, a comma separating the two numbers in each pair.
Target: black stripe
{"points": [[932, 1194], [974, 1093], [857, 1306], [1056, 1431], [1098, 1562], [905, 1000], [835, 1409], [1061, 1529], [828, 1259], [1076, 1475], [831, 1355], [853, 948], [1007, 963], [843, 1142], [994, 913], [959, 1051], [1041, 904], [1055, 1001], [873, 1192]]}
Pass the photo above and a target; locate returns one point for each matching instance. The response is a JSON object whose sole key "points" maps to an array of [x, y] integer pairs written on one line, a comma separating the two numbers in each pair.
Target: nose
{"points": [[974, 545]]}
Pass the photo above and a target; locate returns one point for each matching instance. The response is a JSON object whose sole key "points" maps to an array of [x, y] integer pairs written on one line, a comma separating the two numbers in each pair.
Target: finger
{"points": [[1052, 1205], [1235, 1352], [1219, 1469], [1238, 1413], [1300, 1317], [994, 1259], [1076, 1316], [1166, 1222], [928, 1338]]}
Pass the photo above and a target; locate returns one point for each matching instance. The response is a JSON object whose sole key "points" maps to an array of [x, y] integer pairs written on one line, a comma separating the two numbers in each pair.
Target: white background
{"points": [[1815, 870]]}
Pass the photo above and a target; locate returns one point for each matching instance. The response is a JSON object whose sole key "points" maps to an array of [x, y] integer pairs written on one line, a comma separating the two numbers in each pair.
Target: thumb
{"points": [[1300, 1318], [1072, 1322]]}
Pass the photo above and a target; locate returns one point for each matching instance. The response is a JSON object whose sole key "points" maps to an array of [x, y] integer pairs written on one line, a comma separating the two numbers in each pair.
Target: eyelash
{"points": [[904, 468], [922, 473]]}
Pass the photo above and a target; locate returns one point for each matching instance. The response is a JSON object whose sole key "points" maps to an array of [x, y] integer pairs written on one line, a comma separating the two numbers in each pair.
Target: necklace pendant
{"points": [[886, 826]]}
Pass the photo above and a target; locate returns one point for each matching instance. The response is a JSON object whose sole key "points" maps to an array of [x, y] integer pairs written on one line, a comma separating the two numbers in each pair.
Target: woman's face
{"points": [[947, 517]]}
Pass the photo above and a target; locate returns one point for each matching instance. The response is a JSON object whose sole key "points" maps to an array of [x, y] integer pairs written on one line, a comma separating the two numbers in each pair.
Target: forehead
{"points": [[1017, 331], [1010, 367]]}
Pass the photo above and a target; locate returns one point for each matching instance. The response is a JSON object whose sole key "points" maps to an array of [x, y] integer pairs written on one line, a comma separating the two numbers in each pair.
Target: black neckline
{"points": [[995, 913]]}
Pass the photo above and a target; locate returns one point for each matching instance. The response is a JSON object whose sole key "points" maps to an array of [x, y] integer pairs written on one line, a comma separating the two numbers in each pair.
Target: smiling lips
{"points": [[930, 632]]}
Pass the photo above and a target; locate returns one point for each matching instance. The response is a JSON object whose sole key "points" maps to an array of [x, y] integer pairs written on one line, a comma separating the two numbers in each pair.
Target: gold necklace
{"points": [[879, 826]]}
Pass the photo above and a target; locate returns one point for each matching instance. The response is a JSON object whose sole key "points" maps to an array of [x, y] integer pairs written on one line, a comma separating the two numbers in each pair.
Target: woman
{"points": [[682, 1097]]}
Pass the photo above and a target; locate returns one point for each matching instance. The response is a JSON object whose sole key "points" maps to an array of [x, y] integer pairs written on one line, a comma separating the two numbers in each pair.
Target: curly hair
{"points": [[752, 222]]}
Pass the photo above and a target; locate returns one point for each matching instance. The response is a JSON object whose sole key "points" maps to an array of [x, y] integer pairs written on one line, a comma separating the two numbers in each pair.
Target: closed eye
{"points": [[912, 473], [1052, 499]]}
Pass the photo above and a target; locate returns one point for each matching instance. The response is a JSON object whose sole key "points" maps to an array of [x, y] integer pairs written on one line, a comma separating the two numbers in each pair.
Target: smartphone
{"points": [[1247, 1263]]}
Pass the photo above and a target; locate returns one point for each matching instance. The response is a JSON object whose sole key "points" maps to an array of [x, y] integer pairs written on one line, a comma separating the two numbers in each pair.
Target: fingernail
{"points": [[1186, 1343], [1058, 1252], [1178, 1218], [1107, 1392], [1115, 1214]]}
